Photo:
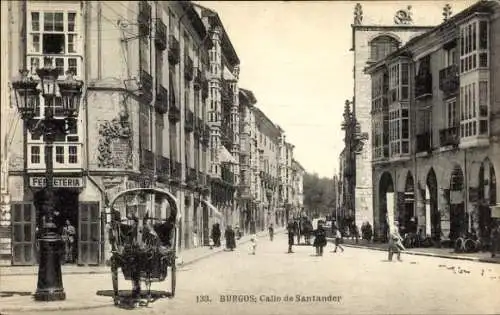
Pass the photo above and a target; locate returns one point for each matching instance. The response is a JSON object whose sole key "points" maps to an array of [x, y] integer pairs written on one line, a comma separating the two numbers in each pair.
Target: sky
{"points": [[295, 58]]}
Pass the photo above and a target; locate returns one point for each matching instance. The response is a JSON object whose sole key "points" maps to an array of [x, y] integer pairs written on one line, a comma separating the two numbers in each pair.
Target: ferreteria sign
{"points": [[58, 182]]}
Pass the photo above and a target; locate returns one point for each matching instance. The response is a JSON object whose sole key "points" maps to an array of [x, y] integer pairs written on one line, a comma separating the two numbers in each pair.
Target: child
{"points": [[211, 243], [253, 244], [338, 237]]}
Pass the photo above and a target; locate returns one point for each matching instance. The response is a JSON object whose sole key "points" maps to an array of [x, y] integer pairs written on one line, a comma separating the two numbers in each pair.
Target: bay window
{"points": [[474, 42], [474, 109], [379, 115], [399, 126]]}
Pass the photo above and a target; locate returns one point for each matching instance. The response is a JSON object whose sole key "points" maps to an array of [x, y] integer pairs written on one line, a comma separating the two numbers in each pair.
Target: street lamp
{"points": [[27, 90]]}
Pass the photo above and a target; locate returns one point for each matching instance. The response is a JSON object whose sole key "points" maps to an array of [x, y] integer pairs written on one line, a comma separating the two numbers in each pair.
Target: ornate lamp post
{"points": [[27, 90]]}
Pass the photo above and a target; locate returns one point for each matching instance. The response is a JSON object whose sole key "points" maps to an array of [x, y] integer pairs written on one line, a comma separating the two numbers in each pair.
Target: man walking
{"points": [[291, 229], [271, 232], [395, 243], [338, 239]]}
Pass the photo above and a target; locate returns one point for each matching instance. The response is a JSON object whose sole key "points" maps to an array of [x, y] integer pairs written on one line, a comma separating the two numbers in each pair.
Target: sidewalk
{"points": [[17, 284], [429, 251]]}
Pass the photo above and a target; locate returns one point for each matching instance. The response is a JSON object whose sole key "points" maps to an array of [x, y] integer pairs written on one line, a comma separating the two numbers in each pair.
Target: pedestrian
{"points": [[395, 243], [68, 236], [296, 227], [320, 239], [253, 244], [271, 232], [211, 243], [338, 239], [290, 227], [216, 234], [230, 238]]}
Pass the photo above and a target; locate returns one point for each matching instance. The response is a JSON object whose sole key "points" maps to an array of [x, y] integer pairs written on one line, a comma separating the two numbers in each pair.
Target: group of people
{"points": [[230, 235], [319, 234]]}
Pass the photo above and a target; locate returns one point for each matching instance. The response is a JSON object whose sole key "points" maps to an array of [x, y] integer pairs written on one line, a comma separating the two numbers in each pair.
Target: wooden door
{"points": [[23, 233], [89, 235]]}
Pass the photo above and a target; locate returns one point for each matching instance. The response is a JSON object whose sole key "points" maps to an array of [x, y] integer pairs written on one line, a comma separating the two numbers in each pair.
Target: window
{"points": [[399, 130], [159, 126], [52, 39], [470, 110], [59, 154], [450, 57], [474, 45], [382, 46], [452, 117], [172, 134], [72, 154], [35, 154]]}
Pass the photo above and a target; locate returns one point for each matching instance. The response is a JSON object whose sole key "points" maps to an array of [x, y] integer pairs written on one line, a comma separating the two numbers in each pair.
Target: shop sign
{"points": [[57, 182]]}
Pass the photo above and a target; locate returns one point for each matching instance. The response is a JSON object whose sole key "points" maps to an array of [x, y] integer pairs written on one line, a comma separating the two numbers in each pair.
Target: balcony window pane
{"points": [[35, 21], [35, 154], [483, 60], [73, 154], [405, 147], [35, 43], [473, 31], [483, 35], [71, 21], [59, 154]]}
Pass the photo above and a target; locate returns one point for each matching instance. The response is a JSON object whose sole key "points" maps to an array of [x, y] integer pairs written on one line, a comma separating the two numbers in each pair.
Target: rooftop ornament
{"points": [[358, 14], [404, 17], [447, 12]]}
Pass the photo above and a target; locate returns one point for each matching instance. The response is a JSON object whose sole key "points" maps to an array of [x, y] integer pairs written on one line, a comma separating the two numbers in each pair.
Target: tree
{"points": [[318, 194]]}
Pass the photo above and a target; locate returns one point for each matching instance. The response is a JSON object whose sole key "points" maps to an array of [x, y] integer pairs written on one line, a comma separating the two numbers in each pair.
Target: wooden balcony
{"points": [[188, 68], [163, 168], [147, 159], [449, 136], [189, 122], [449, 81], [424, 142], [173, 50], [161, 35], [161, 104], [423, 85]]}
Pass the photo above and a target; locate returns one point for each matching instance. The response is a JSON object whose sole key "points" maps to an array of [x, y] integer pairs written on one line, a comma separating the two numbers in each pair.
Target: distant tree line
{"points": [[319, 195]]}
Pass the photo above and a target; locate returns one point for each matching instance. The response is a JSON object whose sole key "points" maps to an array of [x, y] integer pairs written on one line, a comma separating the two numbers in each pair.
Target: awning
{"points": [[225, 156], [213, 210]]}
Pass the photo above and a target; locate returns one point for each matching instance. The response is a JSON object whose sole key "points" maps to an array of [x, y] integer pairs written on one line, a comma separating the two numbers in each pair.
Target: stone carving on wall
{"points": [[446, 12], [358, 14], [404, 16], [115, 143]]}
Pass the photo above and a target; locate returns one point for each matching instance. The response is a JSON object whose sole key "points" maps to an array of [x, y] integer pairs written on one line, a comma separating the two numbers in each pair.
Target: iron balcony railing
{"points": [[161, 104], [423, 85], [188, 68], [449, 136], [163, 168], [161, 35]]}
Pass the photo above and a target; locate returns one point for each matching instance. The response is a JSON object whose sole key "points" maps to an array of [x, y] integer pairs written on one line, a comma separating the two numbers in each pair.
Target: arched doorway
{"points": [[458, 217], [408, 204], [486, 198], [432, 216], [386, 205]]}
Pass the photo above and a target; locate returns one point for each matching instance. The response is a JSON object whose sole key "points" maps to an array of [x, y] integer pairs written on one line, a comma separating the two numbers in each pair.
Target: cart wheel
{"points": [[173, 269]]}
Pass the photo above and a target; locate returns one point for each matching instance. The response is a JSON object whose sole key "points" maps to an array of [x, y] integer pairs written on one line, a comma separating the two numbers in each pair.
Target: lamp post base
{"points": [[50, 287]]}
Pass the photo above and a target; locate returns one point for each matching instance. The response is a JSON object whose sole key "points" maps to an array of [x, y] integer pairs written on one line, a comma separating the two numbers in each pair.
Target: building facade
{"points": [[160, 108], [370, 42], [297, 203], [436, 128]]}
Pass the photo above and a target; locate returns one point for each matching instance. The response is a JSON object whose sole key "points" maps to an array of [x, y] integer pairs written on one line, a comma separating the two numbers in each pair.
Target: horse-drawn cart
{"points": [[143, 237]]}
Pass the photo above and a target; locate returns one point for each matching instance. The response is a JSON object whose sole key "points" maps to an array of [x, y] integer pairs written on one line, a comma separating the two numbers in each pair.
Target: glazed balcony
{"points": [[66, 157], [188, 68], [161, 104], [449, 81], [424, 142], [423, 85], [449, 137], [189, 123], [205, 137], [161, 35], [191, 177], [173, 50], [163, 168], [204, 89], [198, 127], [227, 175], [147, 159], [226, 93]]}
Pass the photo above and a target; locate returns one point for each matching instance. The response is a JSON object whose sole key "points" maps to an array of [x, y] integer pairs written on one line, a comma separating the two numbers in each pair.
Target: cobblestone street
{"points": [[357, 281]]}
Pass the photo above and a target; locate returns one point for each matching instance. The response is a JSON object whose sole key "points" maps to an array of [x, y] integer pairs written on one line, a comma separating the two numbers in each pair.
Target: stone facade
{"points": [[447, 178], [363, 38]]}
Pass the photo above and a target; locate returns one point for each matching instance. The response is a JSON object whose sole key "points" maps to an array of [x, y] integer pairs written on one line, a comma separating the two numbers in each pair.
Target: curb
{"points": [[476, 259], [107, 304]]}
